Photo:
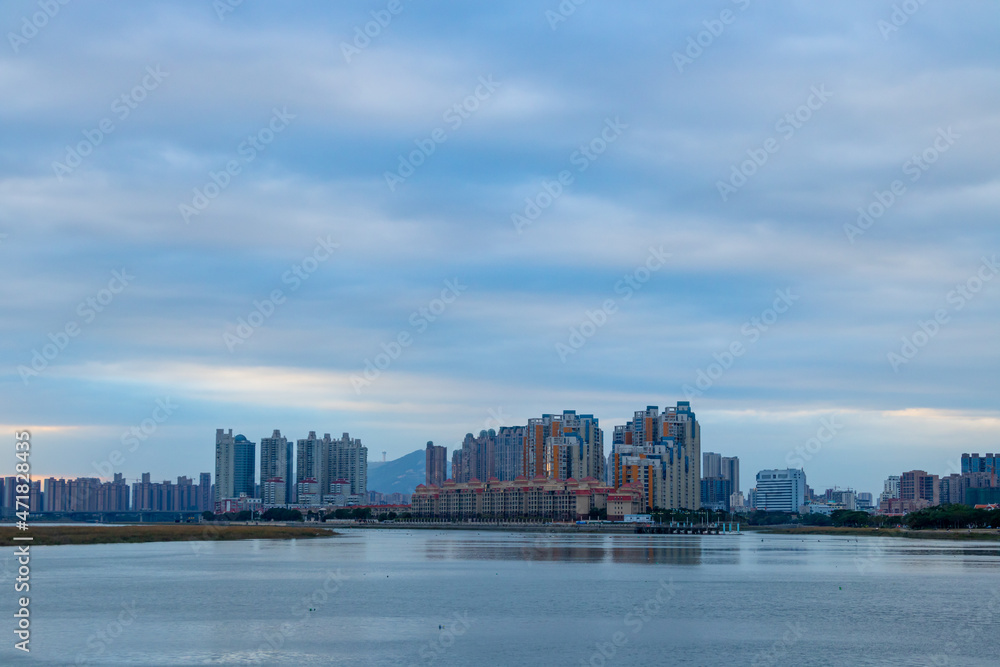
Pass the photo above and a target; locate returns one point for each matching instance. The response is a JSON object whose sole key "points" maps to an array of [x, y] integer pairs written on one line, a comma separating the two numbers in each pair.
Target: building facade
{"points": [[716, 466], [890, 489], [476, 458], [780, 490], [564, 446], [716, 493], [235, 465], [539, 498], [326, 460], [918, 485], [276, 463], [660, 452], [508, 452], [436, 464]]}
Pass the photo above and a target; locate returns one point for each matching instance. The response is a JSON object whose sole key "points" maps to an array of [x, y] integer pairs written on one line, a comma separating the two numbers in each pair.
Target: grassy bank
{"points": [[104, 534], [985, 534]]}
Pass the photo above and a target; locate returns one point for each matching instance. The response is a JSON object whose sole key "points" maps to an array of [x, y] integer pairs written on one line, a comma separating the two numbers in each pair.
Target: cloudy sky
{"points": [[785, 212]]}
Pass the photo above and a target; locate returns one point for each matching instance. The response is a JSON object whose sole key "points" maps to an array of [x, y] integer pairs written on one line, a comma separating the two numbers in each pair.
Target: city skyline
{"points": [[722, 462], [621, 225]]}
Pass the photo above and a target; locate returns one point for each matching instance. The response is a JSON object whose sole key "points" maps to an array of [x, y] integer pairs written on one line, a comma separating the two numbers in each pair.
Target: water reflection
{"points": [[542, 547]]}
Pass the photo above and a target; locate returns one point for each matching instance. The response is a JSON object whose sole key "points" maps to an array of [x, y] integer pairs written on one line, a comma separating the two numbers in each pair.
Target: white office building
{"points": [[780, 490]]}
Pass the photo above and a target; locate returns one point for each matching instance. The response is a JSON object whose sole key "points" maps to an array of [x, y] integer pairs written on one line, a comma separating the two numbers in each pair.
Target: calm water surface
{"points": [[393, 597]]}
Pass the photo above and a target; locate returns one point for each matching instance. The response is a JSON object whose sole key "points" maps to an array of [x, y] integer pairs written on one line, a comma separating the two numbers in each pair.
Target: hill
{"points": [[400, 475]]}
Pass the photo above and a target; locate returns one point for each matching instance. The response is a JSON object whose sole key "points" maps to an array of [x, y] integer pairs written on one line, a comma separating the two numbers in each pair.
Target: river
{"points": [[426, 597]]}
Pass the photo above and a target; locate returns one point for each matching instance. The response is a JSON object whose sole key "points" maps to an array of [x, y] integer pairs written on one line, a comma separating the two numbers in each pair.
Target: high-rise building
{"points": [[508, 453], [951, 489], [890, 489], [865, 501], [662, 453], [716, 493], [56, 495], [349, 461], [711, 465], [716, 465], [731, 471], [564, 446], [976, 463], [326, 461], [35, 496], [310, 459], [436, 464], [918, 485], [205, 497], [83, 494], [276, 463], [273, 491], [847, 498], [780, 490], [476, 458], [235, 465]]}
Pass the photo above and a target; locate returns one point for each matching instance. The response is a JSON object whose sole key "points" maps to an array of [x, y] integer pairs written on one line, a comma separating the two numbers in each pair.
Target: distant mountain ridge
{"points": [[400, 475]]}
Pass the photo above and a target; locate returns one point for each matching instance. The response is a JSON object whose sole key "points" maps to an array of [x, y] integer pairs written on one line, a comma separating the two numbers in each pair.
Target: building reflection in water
{"points": [[585, 548]]}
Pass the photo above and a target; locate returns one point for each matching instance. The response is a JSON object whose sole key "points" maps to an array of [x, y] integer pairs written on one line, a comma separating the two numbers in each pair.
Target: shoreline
{"points": [[960, 534], [140, 533]]}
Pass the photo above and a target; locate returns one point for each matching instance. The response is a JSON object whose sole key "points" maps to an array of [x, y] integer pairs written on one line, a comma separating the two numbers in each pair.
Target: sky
{"points": [[409, 221]]}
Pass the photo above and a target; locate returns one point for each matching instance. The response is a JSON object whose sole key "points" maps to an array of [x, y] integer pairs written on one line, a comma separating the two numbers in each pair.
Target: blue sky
{"points": [[817, 109]]}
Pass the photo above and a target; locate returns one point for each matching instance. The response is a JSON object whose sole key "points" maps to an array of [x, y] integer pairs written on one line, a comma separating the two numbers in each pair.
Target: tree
{"points": [[849, 518], [208, 516], [282, 514], [813, 519], [951, 517]]}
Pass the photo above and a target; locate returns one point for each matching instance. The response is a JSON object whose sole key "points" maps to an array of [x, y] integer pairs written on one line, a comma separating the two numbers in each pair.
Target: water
{"points": [[378, 598]]}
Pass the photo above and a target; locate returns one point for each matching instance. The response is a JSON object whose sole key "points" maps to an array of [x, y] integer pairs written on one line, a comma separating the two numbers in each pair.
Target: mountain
{"points": [[400, 475]]}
